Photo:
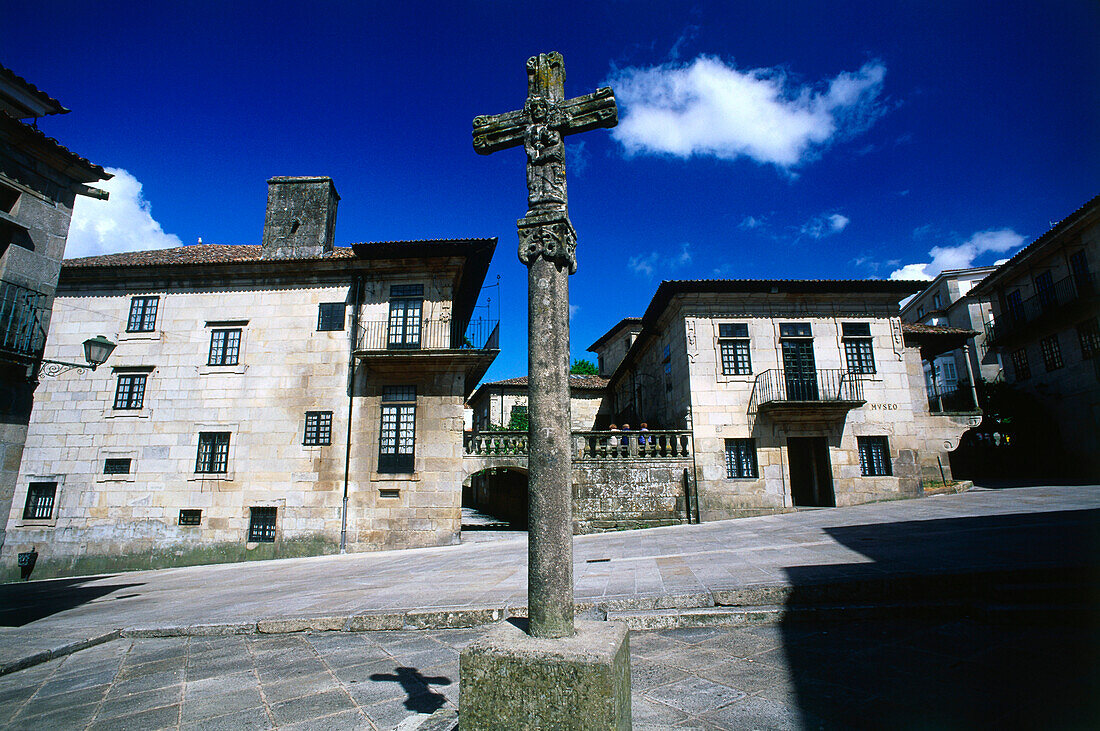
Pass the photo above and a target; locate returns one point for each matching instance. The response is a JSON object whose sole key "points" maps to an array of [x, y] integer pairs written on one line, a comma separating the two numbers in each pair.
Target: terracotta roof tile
{"points": [[576, 380], [916, 328], [33, 90], [36, 136]]}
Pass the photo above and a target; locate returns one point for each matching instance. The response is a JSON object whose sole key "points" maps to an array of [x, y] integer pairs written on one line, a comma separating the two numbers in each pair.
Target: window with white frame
{"points": [[734, 348], [858, 347], [874, 456], [397, 436]]}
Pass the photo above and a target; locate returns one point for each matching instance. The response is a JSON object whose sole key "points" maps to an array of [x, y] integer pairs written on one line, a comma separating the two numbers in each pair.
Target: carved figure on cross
{"points": [[541, 126]]}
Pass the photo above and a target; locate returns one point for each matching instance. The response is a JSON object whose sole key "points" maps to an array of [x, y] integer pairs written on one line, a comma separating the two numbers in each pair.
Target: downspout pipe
{"points": [[357, 287]]}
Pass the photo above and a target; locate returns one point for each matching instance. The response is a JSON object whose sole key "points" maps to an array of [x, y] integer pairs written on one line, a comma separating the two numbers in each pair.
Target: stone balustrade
{"points": [[589, 445]]}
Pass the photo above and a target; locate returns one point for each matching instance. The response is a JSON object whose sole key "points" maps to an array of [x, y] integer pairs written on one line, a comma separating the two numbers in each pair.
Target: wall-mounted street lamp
{"points": [[96, 352]]}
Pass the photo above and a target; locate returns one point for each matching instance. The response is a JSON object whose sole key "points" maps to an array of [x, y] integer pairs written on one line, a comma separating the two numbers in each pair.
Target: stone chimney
{"points": [[301, 217]]}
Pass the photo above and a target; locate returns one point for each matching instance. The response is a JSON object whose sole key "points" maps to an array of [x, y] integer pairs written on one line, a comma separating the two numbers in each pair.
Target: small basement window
{"points": [[190, 517], [116, 466], [261, 525], [389, 492]]}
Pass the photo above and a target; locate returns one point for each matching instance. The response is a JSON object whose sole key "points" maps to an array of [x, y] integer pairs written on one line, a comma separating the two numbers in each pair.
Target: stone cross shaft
{"points": [[547, 245]]}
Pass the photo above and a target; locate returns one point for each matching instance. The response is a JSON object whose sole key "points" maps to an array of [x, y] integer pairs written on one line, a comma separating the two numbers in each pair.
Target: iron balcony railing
{"points": [[22, 317], [482, 334], [943, 400], [833, 385], [1047, 300], [588, 445]]}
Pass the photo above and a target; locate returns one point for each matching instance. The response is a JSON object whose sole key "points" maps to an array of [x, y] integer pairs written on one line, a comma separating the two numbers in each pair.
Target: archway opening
{"points": [[495, 499]]}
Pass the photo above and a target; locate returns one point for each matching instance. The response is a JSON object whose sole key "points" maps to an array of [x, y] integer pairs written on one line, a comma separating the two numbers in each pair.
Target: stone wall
{"points": [[637, 493]]}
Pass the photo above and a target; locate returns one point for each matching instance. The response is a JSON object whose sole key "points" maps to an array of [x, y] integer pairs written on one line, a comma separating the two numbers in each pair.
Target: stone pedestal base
{"points": [[510, 680]]}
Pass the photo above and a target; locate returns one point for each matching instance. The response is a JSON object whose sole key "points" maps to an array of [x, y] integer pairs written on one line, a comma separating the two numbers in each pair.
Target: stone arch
{"points": [[499, 491]]}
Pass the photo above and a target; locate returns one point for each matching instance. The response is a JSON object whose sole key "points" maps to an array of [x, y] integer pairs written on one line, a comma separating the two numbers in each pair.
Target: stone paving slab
{"points": [[675, 567], [945, 673]]}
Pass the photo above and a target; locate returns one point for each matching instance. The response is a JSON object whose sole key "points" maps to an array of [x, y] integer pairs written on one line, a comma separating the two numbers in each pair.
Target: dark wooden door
{"points": [[799, 370]]}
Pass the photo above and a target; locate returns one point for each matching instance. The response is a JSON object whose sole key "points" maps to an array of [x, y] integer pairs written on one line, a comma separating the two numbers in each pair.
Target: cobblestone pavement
{"points": [[959, 673]]}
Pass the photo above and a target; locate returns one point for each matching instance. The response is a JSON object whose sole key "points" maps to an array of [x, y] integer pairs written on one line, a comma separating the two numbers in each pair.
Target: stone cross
{"points": [[547, 245]]}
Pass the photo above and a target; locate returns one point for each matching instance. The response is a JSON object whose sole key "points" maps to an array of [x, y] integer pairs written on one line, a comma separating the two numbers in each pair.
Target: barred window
{"points": [[143, 315], [1052, 353], [397, 436], [874, 456], [741, 458], [261, 524], [130, 391], [318, 428], [40, 499], [858, 347], [733, 345], [116, 466], [213, 454], [1020, 365], [225, 347], [190, 517], [1089, 334], [330, 316]]}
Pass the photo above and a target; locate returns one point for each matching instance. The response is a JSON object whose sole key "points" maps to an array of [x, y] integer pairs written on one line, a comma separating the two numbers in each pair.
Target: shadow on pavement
{"points": [[421, 698], [23, 603], [972, 642]]}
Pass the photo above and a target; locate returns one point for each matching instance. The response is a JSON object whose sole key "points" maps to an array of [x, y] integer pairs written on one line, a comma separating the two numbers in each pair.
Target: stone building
{"points": [[39, 181], [947, 302], [501, 404], [285, 398], [796, 392], [1045, 306]]}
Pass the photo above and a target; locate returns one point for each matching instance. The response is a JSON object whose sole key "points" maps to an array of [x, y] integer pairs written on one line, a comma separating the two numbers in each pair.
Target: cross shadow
{"points": [[996, 624], [23, 603], [421, 698]]}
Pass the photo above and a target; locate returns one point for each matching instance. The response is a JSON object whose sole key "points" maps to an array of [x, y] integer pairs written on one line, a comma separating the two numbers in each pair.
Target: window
{"points": [[937, 301], [318, 428], [741, 458], [733, 344], [795, 330], [874, 456], [398, 431], [1089, 334], [213, 452], [920, 312], [1044, 289], [143, 315], [1079, 270], [40, 499], [858, 350], [1052, 354], [1014, 306], [225, 347], [261, 525], [130, 391], [116, 466], [330, 316], [406, 303], [190, 517], [1020, 365]]}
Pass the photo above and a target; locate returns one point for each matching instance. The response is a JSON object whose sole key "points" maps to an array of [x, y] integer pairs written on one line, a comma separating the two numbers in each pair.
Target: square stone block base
{"points": [[510, 680]]}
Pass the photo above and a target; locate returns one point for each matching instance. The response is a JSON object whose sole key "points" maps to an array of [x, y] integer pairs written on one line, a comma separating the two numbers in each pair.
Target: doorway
{"points": [[811, 473]]}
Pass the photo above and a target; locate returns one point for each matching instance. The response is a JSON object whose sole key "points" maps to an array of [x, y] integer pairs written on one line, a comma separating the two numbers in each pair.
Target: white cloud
{"points": [[962, 256], [573, 310], [824, 225], [748, 223], [710, 107], [645, 264], [123, 222]]}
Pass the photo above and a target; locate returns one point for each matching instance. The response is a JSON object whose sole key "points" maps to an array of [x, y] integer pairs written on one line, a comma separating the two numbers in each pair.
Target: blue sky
{"points": [[764, 140]]}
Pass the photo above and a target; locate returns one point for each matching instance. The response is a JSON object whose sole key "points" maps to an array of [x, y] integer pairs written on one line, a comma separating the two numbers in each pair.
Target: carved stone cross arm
{"points": [[579, 114]]}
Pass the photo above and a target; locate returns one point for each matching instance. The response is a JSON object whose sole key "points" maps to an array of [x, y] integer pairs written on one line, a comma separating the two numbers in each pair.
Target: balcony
{"points": [[427, 335], [22, 317], [951, 400], [818, 392], [589, 445], [1016, 320]]}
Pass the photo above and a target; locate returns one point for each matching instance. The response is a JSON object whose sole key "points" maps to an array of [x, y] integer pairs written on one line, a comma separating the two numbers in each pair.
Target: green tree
{"points": [[584, 368]]}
